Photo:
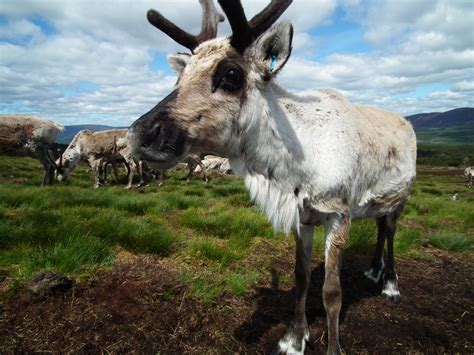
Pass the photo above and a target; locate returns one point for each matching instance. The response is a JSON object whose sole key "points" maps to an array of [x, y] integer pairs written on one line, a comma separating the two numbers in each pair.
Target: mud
{"points": [[142, 306]]}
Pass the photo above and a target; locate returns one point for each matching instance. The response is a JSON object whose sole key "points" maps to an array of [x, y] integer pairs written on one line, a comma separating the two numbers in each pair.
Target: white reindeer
{"points": [[307, 160], [96, 148], [29, 135]]}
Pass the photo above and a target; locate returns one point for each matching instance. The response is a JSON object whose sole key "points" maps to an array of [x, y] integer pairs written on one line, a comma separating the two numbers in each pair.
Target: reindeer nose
{"points": [[144, 134], [147, 132]]}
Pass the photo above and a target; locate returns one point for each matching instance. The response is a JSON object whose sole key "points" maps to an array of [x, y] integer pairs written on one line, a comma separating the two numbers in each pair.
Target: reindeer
{"points": [[96, 148], [31, 136], [211, 162], [306, 159]]}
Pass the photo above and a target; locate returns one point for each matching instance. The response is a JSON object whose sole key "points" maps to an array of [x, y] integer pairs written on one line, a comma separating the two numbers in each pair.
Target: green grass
{"points": [[446, 136], [430, 153], [212, 232]]}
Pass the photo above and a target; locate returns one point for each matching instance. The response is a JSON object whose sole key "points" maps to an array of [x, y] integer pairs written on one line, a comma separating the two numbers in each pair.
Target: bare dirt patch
{"points": [[141, 305]]}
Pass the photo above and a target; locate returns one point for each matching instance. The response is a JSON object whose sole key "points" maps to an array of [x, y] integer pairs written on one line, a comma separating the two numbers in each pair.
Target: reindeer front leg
{"points": [[337, 231], [95, 166], [295, 339], [48, 169]]}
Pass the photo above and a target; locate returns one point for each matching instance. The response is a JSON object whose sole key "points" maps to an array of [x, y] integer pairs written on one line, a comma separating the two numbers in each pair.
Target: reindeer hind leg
{"points": [[377, 266], [390, 288]]}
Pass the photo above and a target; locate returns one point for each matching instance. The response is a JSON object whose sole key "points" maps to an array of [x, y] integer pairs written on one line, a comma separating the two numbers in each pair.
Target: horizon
{"points": [[104, 64]]}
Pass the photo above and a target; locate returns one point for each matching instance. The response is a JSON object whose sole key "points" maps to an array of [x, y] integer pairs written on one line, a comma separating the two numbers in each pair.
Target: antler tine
{"points": [[241, 33], [210, 20], [268, 16], [174, 32]]}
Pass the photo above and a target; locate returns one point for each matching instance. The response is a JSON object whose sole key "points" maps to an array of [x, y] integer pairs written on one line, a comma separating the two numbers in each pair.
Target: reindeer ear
{"points": [[178, 61], [273, 48]]}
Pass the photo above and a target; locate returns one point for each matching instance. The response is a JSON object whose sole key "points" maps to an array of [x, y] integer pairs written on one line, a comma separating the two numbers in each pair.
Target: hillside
{"points": [[70, 131], [450, 127], [450, 119]]}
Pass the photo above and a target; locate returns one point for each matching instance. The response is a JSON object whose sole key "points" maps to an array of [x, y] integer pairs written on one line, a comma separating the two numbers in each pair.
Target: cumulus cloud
{"points": [[89, 61]]}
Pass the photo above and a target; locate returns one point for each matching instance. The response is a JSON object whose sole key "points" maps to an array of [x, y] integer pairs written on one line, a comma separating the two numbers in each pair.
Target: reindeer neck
{"points": [[270, 146], [271, 159]]}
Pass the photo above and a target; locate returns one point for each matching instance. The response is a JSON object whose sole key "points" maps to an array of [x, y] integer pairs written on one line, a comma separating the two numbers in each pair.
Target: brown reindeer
{"points": [[96, 148], [309, 160], [31, 136]]}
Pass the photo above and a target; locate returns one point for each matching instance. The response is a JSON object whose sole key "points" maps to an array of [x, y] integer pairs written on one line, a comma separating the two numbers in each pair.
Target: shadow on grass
{"points": [[275, 306]]}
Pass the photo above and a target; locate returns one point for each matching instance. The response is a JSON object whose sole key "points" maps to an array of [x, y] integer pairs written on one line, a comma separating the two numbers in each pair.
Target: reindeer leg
{"points": [[133, 166], [95, 166], [294, 341], [114, 168], [377, 265], [140, 173], [103, 173], [337, 232], [204, 171], [191, 167], [50, 174], [43, 157], [390, 279]]}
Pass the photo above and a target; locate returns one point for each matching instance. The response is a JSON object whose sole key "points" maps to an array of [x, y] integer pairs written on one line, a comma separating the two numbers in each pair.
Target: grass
{"points": [[212, 231]]}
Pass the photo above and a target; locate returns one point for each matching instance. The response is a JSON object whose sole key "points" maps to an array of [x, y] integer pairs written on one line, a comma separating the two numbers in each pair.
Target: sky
{"points": [[101, 62]]}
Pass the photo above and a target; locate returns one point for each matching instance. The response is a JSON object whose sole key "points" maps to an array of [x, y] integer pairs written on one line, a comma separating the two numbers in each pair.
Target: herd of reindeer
{"points": [[307, 160], [34, 136]]}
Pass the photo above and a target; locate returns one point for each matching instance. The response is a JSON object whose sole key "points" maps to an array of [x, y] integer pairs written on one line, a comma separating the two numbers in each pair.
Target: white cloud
{"points": [[414, 44]]}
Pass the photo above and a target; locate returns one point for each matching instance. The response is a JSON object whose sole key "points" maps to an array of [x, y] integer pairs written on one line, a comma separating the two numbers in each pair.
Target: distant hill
{"points": [[450, 127], [449, 119], [70, 131]]}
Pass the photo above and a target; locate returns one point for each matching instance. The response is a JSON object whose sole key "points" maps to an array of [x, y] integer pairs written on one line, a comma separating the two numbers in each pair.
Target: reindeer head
{"points": [[219, 84]]}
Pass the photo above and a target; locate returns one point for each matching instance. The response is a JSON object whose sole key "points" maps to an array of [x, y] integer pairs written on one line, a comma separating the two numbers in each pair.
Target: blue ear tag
{"points": [[273, 62]]}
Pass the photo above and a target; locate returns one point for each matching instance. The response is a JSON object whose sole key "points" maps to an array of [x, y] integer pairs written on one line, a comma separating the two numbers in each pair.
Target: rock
{"points": [[47, 282]]}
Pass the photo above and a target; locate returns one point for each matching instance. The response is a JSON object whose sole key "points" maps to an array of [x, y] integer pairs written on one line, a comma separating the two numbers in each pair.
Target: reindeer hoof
{"points": [[294, 342], [390, 291], [392, 297]]}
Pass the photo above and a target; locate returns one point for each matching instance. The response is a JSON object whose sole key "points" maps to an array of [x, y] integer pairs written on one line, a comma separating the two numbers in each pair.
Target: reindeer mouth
{"points": [[162, 152], [157, 138]]}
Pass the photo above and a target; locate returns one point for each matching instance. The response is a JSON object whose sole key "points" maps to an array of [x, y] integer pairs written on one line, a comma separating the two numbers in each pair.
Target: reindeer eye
{"points": [[232, 80]]}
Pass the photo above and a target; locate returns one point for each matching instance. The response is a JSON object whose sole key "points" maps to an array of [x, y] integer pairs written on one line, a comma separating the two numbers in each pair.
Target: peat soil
{"points": [[141, 306]]}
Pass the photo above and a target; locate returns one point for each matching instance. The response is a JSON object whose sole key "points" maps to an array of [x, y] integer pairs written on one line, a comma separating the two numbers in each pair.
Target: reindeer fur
{"points": [[29, 135], [306, 159], [95, 148]]}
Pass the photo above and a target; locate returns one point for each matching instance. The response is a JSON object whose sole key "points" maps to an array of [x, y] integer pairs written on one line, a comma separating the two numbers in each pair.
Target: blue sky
{"points": [[101, 62]]}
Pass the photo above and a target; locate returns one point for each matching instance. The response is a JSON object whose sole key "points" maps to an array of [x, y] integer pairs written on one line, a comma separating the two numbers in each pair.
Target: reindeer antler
{"points": [[243, 32], [210, 20]]}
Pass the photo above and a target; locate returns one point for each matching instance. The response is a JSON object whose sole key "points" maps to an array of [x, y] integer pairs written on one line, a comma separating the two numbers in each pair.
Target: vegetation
{"points": [[211, 232], [460, 155], [446, 136]]}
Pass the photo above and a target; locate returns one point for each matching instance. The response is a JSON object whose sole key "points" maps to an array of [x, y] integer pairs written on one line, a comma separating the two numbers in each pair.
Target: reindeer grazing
{"points": [[307, 160], [97, 148], [29, 135]]}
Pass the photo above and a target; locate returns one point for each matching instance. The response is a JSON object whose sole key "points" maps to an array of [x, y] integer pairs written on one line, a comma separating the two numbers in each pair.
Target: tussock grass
{"points": [[452, 242], [208, 249], [212, 230]]}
